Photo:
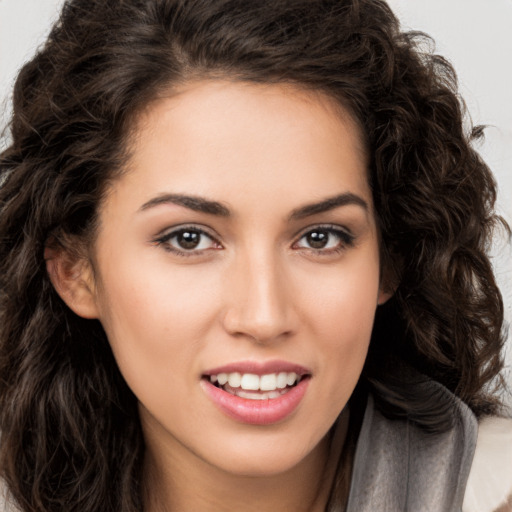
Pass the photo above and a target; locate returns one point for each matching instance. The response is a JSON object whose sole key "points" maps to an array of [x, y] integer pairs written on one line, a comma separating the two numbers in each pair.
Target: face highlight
{"points": [[237, 273]]}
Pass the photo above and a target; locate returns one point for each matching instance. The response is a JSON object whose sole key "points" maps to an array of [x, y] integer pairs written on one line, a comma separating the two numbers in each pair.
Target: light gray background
{"points": [[474, 34]]}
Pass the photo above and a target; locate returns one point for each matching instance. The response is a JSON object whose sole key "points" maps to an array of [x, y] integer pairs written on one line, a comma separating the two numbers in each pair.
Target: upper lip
{"points": [[259, 368]]}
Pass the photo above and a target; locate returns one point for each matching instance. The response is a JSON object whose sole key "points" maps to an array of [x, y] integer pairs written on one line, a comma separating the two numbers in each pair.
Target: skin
{"points": [[255, 289]]}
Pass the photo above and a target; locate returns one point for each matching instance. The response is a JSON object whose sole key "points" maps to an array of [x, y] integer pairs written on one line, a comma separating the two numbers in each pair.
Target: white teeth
{"points": [[252, 382], [282, 380], [256, 396], [268, 382], [292, 377], [234, 380], [252, 396]]}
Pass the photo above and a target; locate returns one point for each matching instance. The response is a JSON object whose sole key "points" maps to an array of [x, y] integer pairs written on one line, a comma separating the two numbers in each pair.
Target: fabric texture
{"points": [[398, 467]]}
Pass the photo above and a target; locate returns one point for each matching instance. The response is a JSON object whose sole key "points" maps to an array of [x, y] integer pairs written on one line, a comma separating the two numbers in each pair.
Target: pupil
{"points": [[318, 239], [189, 239]]}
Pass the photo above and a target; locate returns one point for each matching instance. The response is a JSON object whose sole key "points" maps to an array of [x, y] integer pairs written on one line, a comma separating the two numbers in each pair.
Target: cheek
{"points": [[341, 314], [344, 299], [155, 320]]}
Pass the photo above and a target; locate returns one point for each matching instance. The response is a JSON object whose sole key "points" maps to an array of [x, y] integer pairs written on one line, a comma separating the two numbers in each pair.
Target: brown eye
{"points": [[317, 239], [324, 239], [190, 240]]}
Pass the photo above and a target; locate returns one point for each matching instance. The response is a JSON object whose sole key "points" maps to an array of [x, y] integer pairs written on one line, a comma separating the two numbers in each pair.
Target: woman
{"points": [[243, 265]]}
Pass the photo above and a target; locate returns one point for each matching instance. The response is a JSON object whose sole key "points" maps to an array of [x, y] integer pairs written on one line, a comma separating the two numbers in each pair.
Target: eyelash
{"points": [[165, 239], [346, 240]]}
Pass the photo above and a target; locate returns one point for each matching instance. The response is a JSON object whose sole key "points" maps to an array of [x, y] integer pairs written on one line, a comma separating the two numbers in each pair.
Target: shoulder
{"points": [[489, 487]]}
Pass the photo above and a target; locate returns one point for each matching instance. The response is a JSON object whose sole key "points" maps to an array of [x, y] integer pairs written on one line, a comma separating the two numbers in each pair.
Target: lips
{"points": [[259, 394]]}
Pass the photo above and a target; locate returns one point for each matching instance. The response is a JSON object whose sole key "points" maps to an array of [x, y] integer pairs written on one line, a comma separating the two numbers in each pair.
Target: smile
{"points": [[258, 395], [256, 387]]}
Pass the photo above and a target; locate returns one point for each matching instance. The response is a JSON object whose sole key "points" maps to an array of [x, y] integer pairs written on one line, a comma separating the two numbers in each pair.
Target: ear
{"points": [[384, 296], [73, 279], [389, 279]]}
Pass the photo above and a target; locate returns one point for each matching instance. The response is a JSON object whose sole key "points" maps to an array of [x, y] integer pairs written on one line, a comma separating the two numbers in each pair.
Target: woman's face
{"points": [[239, 245]]}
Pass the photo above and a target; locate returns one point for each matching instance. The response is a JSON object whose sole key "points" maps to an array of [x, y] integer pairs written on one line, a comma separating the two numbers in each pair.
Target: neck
{"points": [[176, 483]]}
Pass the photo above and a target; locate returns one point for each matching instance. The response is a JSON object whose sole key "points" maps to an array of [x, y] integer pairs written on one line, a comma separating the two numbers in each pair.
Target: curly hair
{"points": [[71, 439]]}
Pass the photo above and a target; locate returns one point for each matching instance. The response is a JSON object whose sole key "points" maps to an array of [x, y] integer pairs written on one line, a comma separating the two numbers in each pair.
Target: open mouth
{"points": [[256, 387], [251, 394]]}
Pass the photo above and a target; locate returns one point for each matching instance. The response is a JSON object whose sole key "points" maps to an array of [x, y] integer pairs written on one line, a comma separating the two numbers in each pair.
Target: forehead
{"points": [[244, 141]]}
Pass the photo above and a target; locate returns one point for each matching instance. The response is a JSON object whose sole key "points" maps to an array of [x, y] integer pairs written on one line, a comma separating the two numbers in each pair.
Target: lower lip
{"points": [[257, 412]]}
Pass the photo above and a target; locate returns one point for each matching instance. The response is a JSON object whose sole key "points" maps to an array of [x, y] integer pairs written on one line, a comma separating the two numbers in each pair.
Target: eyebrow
{"points": [[200, 204], [329, 204]]}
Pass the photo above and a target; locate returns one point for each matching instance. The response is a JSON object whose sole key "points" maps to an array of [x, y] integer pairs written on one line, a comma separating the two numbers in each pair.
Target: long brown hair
{"points": [[71, 439]]}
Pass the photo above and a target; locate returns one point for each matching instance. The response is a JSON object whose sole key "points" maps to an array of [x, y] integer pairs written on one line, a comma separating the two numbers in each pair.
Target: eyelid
{"points": [[327, 226], [168, 233], [347, 237], [183, 227]]}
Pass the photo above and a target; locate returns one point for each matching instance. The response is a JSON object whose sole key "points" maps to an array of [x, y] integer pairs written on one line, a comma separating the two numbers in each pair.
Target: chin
{"points": [[266, 458]]}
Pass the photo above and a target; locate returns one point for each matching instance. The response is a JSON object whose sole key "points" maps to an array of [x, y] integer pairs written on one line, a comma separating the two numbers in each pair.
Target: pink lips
{"points": [[257, 412]]}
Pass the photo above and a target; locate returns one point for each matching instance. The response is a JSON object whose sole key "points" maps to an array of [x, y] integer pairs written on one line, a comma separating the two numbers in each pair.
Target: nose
{"points": [[259, 303]]}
